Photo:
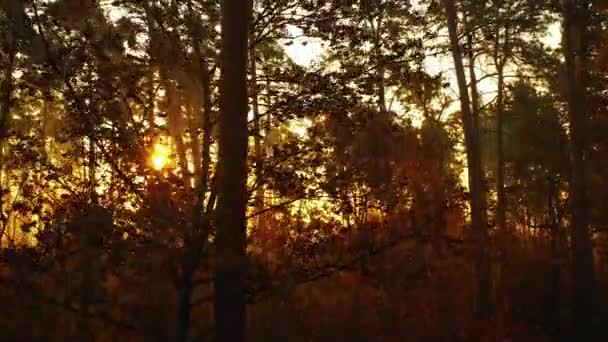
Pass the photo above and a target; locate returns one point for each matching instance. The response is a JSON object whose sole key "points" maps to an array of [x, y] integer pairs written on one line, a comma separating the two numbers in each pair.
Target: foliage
{"points": [[358, 208]]}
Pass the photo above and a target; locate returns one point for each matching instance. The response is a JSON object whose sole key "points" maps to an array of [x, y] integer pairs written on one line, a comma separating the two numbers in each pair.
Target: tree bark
{"points": [[553, 222], [91, 130], [500, 60], [207, 129], [574, 36], [152, 50], [197, 240], [504, 236], [230, 270], [7, 94], [205, 87], [380, 68], [176, 126], [7, 88], [194, 125], [257, 138], [477, 193], [472, 78]]}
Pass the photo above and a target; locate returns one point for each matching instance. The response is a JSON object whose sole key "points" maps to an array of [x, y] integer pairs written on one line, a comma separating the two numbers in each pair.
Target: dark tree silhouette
{"points": [[231, 264]]}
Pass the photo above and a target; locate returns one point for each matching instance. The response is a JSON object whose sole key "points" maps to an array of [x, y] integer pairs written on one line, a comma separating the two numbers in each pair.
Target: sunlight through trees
{"points": [[304, 170]]}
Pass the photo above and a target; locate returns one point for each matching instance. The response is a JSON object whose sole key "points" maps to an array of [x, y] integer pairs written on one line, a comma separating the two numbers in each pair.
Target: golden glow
{"points": [[160, 156]]}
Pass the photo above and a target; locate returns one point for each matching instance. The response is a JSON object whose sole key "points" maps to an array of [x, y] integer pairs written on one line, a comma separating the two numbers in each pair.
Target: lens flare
{"points": [[160, 156]]}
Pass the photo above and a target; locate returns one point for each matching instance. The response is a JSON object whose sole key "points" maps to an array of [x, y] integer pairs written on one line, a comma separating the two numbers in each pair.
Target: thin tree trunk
{"points": [[3, 218], [200, 216], [381, 89], [185, 296], [475, 106], [194, 125], [484, 301], [150, 108], [504, 236], [574, 32], [230, 270], [554, 299], [91, 126], [375, 25], [175, 123], [257, 138], [7, 89], [207, 130], [152, 50], [380, 70], [268, 100], [193, 239], [176, 120], [500, 61], [87, 262], [268, 128], [92, 163], [7, 94], [185, 286], [205, 84], [477, 194]]}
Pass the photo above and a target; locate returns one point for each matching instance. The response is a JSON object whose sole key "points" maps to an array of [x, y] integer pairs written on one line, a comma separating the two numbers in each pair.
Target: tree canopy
{"points": [[438, 171]]}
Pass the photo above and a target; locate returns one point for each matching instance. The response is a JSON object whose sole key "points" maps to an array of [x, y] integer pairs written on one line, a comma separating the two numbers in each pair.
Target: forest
{"points": [[304, 170]]}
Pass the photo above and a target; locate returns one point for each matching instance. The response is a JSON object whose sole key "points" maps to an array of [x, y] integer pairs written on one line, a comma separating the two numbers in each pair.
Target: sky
{"points": [[312, 50], [302, 54], [307, 51]]}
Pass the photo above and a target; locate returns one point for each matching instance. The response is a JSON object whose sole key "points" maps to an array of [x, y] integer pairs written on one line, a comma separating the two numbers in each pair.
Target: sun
{"points": [[160, 156]]}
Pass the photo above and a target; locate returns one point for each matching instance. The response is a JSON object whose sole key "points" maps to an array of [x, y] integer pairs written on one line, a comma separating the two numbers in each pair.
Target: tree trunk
{"points": [[257, 138], [205, 87], [574, 32], [381, 88], [504, 236], [6, 88], [207, 129], [185, 286], [477, 194], [500, 62], [91, 127], [552, 220], [197, 240], [380, 70], [230, 270], [175, 123], [92, 162], [194, 125], [3, 218], [152, 50]]}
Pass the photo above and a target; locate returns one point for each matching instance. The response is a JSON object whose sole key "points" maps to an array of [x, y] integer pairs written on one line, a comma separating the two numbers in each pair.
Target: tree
{"points": [[536, 152], [575, 39], [371, 43], [109, 174], [477, 192], [8, 59], [230, 270]]}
